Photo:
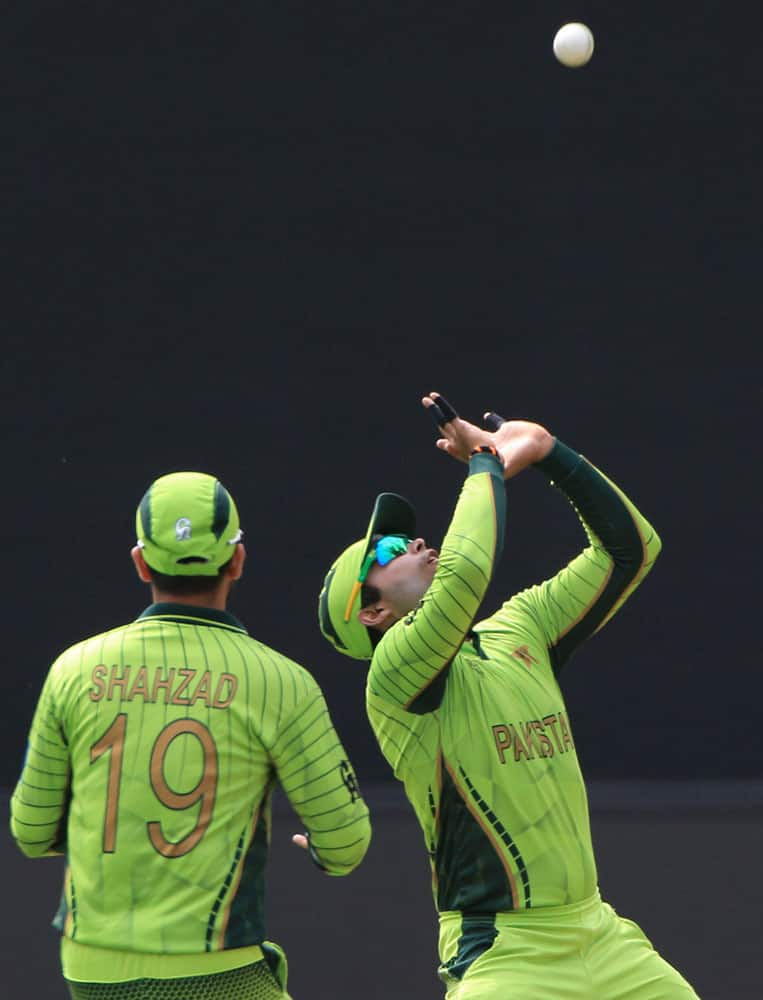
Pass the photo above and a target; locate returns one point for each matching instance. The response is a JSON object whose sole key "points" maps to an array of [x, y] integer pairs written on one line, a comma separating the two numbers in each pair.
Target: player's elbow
{"points": [[638, 551], [34, 838], [655, 545], [33, 849], [652, 547], [361, 850], [346, 861]]}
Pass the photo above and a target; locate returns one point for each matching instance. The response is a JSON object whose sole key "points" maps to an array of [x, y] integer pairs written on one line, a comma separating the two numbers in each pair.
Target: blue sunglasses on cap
{"points": [[384, 550], [387, 548]]}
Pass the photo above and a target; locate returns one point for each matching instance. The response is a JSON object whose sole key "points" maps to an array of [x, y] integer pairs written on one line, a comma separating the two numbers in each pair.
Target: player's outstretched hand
{"points": [[519, 442], [459, 437]]}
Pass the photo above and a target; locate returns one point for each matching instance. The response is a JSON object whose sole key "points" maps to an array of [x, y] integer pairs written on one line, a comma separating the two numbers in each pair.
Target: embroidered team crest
{"points": [[183, 529], [523, 654]]}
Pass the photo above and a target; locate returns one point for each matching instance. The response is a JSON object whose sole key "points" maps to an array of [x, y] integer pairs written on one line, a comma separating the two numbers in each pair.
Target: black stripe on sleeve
{"points": [[605, 512]]}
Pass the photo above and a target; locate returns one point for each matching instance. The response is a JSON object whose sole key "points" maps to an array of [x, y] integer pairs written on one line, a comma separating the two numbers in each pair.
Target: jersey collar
{"points": [[192, 614]]}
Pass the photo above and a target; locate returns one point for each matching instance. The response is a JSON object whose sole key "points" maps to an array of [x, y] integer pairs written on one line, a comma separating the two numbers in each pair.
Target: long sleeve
{"points": [[414, 654], [320, 784], [586, 593], [40, 799]]}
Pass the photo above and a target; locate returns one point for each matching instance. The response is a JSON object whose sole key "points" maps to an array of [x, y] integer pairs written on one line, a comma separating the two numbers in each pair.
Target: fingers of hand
{"points": [[440, 408], [493, 420], [445, 408], [300, 840], [458, 435], [453, 448]]}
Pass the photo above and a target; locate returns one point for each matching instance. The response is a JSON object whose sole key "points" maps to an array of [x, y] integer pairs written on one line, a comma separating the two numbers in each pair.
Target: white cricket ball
{"points": [[573, 44]]}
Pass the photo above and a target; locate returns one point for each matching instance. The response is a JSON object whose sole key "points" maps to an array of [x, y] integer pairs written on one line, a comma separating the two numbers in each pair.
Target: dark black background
{"points": [[245, 238]]}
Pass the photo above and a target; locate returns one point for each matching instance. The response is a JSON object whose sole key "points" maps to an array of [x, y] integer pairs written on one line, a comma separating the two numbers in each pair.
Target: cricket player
{"points": [[472, 719], [152, 758]]}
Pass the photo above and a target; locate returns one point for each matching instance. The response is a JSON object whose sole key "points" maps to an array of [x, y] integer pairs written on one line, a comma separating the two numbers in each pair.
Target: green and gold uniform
{"points": [[152, 757], [473, 722]]}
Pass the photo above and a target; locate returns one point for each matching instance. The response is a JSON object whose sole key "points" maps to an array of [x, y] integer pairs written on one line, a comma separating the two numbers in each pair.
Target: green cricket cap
{"points": [[187, 524], [339, 601]]}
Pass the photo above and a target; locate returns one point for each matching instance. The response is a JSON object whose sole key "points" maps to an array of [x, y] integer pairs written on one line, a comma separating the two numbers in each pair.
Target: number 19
{"points": [[113, 741]]}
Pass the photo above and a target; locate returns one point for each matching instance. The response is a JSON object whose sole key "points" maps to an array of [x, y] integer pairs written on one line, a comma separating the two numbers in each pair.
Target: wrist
{"points": [[484, 449], [561, 462], [544, 443], [485, 458]]}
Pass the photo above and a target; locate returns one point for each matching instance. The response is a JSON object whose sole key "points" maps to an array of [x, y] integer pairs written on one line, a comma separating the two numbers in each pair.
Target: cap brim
{"points": [[392, 515], [338, 602]]}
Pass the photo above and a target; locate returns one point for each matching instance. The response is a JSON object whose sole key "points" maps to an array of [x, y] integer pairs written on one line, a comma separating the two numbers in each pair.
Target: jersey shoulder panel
{"points": [[515, 634]]}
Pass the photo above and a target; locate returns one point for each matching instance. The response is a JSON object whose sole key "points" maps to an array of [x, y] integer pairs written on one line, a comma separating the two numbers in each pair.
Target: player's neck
{"points": [[216, 599]]}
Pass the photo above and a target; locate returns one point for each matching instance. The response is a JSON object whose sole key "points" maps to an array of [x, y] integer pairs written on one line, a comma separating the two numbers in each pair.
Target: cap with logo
{"points": [[187, 525], [339, 601]]}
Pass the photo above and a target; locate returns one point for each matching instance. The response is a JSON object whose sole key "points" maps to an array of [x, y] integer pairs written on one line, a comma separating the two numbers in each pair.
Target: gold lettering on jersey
{"points": [[531, 739], [545, 745], [550, 721], [520, 749], [502, 738], [162, 685], [566, 734], [222, 698], [99, 685], [118, 681], [202, 690], [528, 734], [139, 685], [187, 676]]}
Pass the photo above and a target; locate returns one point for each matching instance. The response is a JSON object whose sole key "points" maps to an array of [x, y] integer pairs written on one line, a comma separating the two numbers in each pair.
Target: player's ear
{"points": [[376, 616], [235, 567], [139, 562]]}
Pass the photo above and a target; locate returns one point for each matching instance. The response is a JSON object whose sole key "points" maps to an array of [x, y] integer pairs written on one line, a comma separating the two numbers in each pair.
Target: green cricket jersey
{"points": [[152, 757], [471, 717]]}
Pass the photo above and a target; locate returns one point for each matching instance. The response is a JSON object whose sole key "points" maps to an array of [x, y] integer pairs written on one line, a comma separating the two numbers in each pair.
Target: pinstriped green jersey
{"points": [[152, 757], [471, 716]]}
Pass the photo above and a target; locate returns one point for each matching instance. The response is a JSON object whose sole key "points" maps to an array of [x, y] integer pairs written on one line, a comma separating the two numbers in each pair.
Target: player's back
{"points": [[169, 722]]}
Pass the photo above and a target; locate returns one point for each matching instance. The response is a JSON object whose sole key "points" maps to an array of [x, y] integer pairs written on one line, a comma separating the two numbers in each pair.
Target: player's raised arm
{"points": [[417, 649], [391, 599], [413, 656], [623, 546], [320, 783]]}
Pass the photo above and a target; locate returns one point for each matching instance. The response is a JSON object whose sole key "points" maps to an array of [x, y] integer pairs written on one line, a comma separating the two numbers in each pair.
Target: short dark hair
{"points": [[187, 586], [370, 595]]}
